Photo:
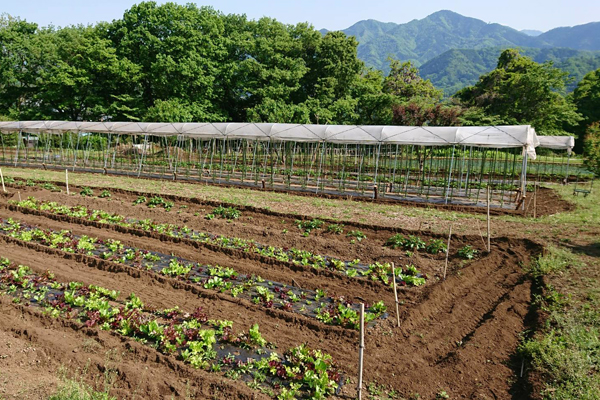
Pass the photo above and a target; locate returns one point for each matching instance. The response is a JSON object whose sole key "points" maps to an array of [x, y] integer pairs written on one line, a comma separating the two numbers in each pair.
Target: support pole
{"points": [[489, 240], [361, 348], [535, 190], [67, 180], [375, 192], [396, 294], [2, 178], [447, 252]]}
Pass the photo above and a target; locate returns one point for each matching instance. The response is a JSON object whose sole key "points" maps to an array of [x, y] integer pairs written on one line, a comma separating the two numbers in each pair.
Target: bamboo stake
{"points": [[447, 252], [2, 179], [396, 293], [361, 348], [67, 180], [535, 201], [19, 193], [489, 240]]}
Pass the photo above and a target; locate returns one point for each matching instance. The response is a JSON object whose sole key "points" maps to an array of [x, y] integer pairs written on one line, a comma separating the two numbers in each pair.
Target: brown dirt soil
{"points": [[264, 226], [457, 335]]}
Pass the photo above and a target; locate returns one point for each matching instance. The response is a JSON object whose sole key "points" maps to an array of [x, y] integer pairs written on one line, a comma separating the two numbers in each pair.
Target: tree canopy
{"points": [[183, 63], [521, 91]]}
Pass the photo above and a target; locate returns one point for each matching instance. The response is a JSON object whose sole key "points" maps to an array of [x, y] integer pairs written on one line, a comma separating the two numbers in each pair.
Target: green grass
{"points": [[74, 390], [567, 351]]}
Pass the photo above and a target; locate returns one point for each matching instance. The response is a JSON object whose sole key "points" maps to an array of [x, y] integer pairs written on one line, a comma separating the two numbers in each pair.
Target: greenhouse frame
{"points": [[427, 164]]}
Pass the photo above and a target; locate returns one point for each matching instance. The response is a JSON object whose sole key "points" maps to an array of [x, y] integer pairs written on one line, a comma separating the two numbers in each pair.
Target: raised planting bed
{"points": [[376, 272], [313, 304], [192, 337]]}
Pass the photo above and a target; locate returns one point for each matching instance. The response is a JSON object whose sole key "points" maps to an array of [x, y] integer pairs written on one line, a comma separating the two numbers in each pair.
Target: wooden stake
{"points": [[2, 179], [447, 252], [396, 294], [535, 201], [489, 239], [19, 193], [263, 184], [361, 348], [67, 180], [375, 192]]}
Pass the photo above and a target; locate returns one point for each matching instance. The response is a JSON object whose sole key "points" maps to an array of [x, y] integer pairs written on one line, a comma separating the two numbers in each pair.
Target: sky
{"points": [[328, 14]]}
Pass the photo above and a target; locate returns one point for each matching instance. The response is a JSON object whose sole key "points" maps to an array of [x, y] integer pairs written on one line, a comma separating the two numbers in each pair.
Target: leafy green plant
{"points": [[104, 194], [467, 252], [436, 246], [337, 229], [228, 213], [358, 235], [140, 200], [412, 242], [156, 201], [309, 225], [86, 191]]}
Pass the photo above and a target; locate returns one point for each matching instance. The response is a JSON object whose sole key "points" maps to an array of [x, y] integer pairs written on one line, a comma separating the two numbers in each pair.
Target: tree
{"points": [[586, 97], [406, 85], [521, 91], [591, 149]]}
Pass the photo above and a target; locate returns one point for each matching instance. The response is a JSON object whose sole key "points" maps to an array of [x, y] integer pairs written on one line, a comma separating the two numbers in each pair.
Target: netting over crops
{"points": [[437, 164]]}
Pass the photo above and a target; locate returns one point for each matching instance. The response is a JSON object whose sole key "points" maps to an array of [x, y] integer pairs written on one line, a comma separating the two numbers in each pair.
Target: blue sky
{"points": [[329, 14]]}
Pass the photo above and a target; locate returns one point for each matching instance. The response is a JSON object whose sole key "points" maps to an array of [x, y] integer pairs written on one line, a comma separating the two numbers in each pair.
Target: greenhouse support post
{"points": [[449, 175], [524, 177]]}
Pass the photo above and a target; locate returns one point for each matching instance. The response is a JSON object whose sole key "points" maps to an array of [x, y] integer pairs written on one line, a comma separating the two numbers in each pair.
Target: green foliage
{"points": [[591, 148], [521, 91], [86, 191], [411, 242], [356, 234], [104, 194], [467, 252], [228, 213], [309, 225], [70, 389]]}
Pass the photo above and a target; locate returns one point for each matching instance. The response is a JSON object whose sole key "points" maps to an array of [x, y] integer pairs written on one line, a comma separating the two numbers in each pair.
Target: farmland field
{"points": [[272, 284]]}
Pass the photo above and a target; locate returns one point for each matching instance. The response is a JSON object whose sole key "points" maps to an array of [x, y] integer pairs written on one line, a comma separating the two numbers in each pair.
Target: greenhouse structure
{"points": [[433, 164]]}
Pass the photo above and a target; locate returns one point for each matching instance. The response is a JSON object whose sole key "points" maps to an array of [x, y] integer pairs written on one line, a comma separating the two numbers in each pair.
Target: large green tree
{"points": [[521, 91], [587, 99]]}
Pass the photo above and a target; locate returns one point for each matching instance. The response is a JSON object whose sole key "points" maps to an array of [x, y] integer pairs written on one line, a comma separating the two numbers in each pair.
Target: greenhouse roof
{"points": [[557, 142], [480, 136]]}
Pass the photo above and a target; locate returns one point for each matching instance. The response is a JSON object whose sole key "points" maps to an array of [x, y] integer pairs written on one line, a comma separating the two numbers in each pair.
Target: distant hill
{"points": [[580, 37], [531, 32], [422, 40], [455, 69], [453, 50]]}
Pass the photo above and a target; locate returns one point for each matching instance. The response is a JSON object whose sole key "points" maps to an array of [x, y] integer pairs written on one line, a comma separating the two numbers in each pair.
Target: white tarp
{"points": [[480, 136], [557, 142]]}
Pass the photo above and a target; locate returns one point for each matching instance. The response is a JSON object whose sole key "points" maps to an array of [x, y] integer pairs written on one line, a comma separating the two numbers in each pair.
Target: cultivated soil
{"points": [[458, 335]]}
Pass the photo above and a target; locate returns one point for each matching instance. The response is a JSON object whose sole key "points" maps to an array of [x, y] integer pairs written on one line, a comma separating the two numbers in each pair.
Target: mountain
{"points": [[424, 39], [531, 32], [455, 69], [581, 37]]}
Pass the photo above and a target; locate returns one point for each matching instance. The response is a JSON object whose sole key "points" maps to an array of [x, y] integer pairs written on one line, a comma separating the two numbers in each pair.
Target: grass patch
{"points": [[555, 260], [567, 352], [71, 389]]}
